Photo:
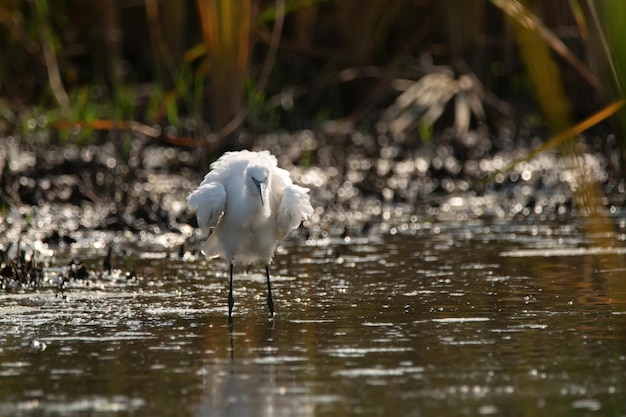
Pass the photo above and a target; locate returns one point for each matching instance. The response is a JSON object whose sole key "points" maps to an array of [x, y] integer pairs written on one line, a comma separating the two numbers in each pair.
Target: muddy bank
{"points": [[60, 194]]}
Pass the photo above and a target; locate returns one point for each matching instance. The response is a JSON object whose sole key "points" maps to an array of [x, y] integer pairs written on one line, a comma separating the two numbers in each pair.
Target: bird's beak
{"points": [[258, 187]]}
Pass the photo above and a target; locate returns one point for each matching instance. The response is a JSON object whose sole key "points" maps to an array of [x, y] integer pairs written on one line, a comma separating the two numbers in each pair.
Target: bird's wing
{"points": [[295, 206], [209, 199]]}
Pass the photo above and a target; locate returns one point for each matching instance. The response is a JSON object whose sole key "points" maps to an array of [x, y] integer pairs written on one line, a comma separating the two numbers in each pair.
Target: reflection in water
{"points": [[251, 390], [476, 319], [253, 387]]}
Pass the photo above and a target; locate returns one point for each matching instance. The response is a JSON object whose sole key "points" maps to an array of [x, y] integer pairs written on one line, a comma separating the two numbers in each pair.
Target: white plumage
{"points": [[248, 204]]}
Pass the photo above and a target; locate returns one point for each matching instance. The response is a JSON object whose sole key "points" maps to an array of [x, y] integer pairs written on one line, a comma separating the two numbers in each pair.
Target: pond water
{"points": [[427, 319]]}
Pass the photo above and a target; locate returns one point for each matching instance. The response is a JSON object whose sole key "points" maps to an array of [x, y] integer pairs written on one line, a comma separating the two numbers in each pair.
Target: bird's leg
{"points": [[231, 300], [270, 302]]}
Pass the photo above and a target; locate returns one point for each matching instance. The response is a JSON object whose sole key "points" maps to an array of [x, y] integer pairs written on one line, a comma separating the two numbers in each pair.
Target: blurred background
{"points": [[217, 73]]}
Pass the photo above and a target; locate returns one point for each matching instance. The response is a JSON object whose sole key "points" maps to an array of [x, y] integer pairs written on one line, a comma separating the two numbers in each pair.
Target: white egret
{"points": [[248, 204]]}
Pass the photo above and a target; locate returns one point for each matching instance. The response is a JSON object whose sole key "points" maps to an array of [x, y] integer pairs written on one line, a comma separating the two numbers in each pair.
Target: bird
{"points": [[247, 205]]}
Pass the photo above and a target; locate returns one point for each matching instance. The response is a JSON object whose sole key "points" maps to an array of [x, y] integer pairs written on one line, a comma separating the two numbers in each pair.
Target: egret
{"points": [[247, 205]]}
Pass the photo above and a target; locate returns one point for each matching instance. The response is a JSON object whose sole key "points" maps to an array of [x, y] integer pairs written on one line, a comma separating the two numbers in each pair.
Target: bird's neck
{"points": [[255, 201]]}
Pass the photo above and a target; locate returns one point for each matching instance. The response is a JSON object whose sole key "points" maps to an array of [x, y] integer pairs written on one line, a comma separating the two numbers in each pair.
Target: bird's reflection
{"points": [[231, 333], [246, 385]]}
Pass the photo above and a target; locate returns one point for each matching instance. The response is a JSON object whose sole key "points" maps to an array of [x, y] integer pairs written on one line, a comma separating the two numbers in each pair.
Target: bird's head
{"points": [[258, 178]]}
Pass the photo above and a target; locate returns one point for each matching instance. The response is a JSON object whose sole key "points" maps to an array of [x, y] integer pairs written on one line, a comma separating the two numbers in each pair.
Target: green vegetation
{"points": [[209, 68], [224, 63]]}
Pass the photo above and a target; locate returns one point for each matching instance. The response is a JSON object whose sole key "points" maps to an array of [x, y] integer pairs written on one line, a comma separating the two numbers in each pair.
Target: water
{"points": [[452, 319]]}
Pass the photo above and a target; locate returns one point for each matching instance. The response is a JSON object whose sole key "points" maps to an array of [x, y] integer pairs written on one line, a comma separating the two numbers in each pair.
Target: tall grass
{"points": [[609, 19], [550, 93], [208, 58], [48, 47], [226, 27]]}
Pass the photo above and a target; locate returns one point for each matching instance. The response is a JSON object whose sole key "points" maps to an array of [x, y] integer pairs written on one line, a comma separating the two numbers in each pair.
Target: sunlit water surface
{"points": [[426, 320]]}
